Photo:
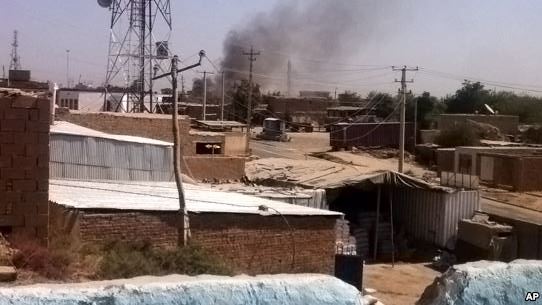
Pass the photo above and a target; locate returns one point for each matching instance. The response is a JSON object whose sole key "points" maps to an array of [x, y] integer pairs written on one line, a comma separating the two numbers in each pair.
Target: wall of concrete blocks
{"points": [[24, 163], [250, 244]]}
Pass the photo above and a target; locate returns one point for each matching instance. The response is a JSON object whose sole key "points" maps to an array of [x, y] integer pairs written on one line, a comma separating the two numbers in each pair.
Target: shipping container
{"points": [[386, 134], [19, 75]]}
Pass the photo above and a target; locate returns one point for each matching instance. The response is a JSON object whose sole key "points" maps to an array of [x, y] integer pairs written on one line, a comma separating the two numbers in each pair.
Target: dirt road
{"points": [[401, 285]]}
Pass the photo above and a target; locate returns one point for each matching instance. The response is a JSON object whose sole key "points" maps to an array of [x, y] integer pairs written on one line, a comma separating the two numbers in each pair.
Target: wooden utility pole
{"points": [[251, 58], [204, 116], [403, 92], [177, 140], [222, 104]]}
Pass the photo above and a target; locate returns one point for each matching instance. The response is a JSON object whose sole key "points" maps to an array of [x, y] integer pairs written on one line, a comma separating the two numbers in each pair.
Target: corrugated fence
{"points": [[81, 157], [433, 216]]}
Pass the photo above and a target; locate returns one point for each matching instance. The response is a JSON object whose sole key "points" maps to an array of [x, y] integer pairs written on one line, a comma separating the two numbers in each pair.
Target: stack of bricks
{"points": [[24, 163]]}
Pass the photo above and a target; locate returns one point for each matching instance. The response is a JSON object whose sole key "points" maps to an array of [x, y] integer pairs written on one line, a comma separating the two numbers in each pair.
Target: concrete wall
{"points": [[445, 160], [154, 126], [529, 236], [249, 244], [235, 144], [214, 168], [507, 124], [24, 164], [469, 156], [428, 136], [521, 174]]}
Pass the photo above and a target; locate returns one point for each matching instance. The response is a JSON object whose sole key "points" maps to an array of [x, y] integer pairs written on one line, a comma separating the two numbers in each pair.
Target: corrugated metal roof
{"points": [[61, 127], [324, 174], [162, 196]]}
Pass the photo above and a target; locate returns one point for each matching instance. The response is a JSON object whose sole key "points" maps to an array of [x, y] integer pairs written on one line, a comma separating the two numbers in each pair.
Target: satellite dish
{"points": [[489, 109], [105, 3]]}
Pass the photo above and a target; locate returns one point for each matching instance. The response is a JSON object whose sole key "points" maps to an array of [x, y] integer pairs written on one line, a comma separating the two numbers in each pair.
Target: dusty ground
{"points": [[400, 285], [298, 148], [529, 200]]}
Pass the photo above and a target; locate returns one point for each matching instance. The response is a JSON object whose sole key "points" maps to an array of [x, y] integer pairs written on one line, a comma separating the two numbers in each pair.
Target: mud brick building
{"points": [[251, 235], [24, 163]]}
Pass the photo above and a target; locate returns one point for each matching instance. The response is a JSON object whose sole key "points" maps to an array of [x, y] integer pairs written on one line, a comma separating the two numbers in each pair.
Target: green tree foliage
{"points": [[472, 97], [428, 109], [468, 99], [385, 104], [349, 98], [239, 96]]}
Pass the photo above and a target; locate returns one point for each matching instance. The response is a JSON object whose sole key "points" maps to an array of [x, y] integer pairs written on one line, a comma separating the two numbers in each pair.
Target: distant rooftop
{"points": [[163, 196], [221, 123], [346, 108], [61, 127], [143, 115]]}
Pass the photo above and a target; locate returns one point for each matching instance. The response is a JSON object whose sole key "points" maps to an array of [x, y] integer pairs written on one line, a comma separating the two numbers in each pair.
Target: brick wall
{"points": [[154, 126], [255, 244], [24, 163], [249, 244]]}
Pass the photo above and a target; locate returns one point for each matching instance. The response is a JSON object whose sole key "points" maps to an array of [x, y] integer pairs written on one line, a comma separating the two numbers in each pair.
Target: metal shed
{"points": [[81, 153], [432, 216]]}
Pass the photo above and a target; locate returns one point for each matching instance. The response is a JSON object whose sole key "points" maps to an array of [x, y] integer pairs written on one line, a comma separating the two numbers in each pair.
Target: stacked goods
{"points": [[362, 241], [345, 243]]}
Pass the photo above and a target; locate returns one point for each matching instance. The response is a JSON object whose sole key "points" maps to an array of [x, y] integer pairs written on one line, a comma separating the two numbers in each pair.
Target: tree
{"points": [[428, 108], [384, 104], [239, 94], [349, 98], [468, 99]]}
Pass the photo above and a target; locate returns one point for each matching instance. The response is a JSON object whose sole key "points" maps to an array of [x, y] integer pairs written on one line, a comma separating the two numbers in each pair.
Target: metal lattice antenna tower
{"points": [[15, 63], [138, 48]]}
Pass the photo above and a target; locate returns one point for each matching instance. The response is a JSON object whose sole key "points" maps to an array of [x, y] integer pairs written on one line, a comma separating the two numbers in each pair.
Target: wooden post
{"points": [[377, 220], [391, 223]]}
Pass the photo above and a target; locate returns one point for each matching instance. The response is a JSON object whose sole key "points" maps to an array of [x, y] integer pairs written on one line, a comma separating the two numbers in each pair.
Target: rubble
{"points": [[486, 131], [485, 282]]}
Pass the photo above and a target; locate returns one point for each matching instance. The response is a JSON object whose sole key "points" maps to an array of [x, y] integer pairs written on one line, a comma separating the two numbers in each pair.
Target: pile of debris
{"points": [[486, 131], [486, 282]]}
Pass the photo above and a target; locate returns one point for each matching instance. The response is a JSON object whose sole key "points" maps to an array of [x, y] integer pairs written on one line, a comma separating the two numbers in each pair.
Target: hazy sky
{"points": [[496, 41]]}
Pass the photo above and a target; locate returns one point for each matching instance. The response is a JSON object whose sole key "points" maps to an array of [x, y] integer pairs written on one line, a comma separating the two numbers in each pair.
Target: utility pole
{"points": [[403, 92], [223, 95], [205, 94], [177, 139], [289, 77], [67, 68], [251, 58]]}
